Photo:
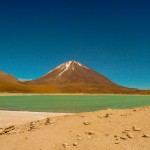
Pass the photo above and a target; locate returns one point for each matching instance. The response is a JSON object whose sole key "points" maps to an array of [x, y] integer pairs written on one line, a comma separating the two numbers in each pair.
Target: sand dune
{"points": [[101, 130]]}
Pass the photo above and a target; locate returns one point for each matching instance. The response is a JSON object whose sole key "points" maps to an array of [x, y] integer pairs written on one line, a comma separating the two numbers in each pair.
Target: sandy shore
{"points": [[21, 117], [27, 94], [127, 129]]}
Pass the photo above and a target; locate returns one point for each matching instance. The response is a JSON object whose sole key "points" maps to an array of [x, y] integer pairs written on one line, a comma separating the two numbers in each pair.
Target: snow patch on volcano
{"points": [[67, 65]]}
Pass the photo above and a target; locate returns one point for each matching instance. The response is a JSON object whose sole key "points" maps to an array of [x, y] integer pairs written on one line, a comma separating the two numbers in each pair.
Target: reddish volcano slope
{"points": [[74, 77], [73, 72]]}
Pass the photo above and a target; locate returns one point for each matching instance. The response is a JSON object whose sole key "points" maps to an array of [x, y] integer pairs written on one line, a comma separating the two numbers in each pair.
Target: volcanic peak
{"points": [[70, 65]]}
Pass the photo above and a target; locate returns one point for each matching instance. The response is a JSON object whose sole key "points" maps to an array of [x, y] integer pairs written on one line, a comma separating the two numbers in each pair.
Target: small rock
{"points": [[49, 121], [123, 137], [8, 129], [129, 135], [124, 131], [106, 116], [116, 136], [79, 138], [32, 126], [127, 130], [136, 129], [78, 135], [65, 145], [12, 132], [86, 123], [1, 131], [116, 142], [146, 135], [75, 144], [90, 133]]}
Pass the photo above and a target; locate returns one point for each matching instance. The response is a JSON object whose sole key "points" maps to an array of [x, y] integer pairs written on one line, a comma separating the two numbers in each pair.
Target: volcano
{"points": [[74, 77], [73, 72]]}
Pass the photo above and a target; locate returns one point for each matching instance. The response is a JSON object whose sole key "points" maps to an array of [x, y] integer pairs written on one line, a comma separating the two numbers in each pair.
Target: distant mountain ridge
{"points": [[7, 77], [10, 84]]}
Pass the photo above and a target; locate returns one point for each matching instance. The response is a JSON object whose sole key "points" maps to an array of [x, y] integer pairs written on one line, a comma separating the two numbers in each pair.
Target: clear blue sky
{"points": [[110, 36]]}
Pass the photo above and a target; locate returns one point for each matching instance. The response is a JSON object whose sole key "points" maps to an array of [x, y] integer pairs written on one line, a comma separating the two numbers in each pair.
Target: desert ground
{"points": [[126, 129]]}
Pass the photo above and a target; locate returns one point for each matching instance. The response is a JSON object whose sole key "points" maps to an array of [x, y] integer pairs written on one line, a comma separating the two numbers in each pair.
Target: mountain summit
{"points": [[73, 72]]}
